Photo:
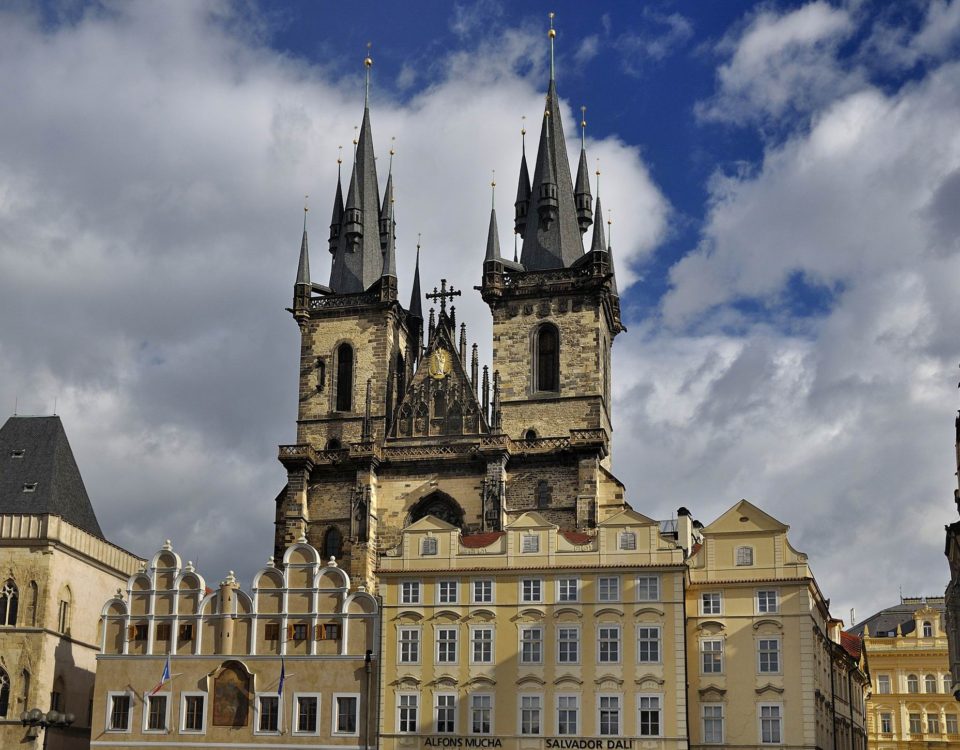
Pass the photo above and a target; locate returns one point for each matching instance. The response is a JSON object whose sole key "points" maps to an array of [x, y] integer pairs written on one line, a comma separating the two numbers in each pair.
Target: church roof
{"points": [[884, 623], [39, 475]]}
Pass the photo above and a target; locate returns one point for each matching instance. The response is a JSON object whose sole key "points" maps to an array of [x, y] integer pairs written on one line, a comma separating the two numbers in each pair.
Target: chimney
{"points": [[685, 530]]}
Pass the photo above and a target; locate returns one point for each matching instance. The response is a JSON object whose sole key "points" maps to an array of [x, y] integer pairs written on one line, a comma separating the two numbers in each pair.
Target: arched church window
{"points": [[530, 434], [548, 358], [332, 543], [401, 377], [4, 692], [439, 505], [344, 377], [333, 444], [9, 600], [544, 494]]}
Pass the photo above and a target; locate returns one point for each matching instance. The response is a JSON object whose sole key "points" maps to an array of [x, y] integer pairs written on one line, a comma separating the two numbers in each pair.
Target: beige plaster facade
{"points": [[58, 573], [227, 649], [767, 663], [534, 637], [912, 703]]}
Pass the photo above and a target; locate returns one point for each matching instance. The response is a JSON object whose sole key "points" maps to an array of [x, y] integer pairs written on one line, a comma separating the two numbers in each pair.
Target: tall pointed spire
{"points": [[416, 307], [337, 218], [388, 229], [302, 288], [493, 235], [358, 260], [613, 269], [599, 241], [554, 240], [522, 204], [303, 268], [581, 190]]}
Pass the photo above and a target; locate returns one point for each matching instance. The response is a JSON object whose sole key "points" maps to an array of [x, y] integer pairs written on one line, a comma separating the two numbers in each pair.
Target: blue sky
{"points": [[784, 180]]}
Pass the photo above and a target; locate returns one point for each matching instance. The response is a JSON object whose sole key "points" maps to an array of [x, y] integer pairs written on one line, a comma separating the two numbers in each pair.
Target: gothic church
{"points": [[396, 423]]}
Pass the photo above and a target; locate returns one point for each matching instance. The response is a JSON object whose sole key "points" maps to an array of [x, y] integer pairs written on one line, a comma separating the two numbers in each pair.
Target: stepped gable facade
{"points": [[395, 423]]}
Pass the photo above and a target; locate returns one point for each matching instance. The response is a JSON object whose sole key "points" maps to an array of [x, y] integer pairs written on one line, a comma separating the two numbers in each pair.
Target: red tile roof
{"points": [[475, 541], [851, 644], [577, 537]]}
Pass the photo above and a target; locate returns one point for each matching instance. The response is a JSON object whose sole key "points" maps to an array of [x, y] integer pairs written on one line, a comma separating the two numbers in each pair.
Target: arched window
{"points": [[544, 494], [928, 629], [440, 505], [344, 377], [401, 377], [931, 683], [913, 684], [947, 682], [9, 599], [530, 434], [333, 444], [4, 692], [63, 613], [332, 543], [548, 358]]}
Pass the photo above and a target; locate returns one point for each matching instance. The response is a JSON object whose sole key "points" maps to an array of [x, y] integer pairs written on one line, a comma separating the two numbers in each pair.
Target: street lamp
{"points": [[37, 720]]}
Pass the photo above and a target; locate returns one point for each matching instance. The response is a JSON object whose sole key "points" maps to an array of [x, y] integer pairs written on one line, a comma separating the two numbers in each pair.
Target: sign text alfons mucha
{"points": [[549, 743]]}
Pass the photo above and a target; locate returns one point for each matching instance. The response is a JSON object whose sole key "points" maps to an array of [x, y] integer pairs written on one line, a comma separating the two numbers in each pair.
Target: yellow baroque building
{"points": [[292, 664], [533, 637], [768, 665], [912, 704]]}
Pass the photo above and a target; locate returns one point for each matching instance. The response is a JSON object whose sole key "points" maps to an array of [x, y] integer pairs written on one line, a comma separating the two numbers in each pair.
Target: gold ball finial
{"points": [[553, 32], [305, 206], [339, 154], [523, 125], [368, 61]]}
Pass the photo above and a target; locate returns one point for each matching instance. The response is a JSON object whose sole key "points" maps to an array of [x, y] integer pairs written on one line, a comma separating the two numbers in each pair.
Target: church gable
{"points": [[440, 400]]}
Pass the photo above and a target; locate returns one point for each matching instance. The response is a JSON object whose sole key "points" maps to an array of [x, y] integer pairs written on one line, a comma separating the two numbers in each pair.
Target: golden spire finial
{"points": [[609, 227], [598, 179], [393, 142], [305, 209], [583, 126], [419, 235], [339, 156], [552, 33], [367, 63], [493, 188], [355, 129]]}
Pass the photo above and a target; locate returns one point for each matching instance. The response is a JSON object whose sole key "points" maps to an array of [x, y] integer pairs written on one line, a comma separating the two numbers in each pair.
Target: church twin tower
{"points": [[394, 425]]}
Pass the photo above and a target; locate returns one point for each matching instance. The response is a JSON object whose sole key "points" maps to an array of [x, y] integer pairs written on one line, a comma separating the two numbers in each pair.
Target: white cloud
{"points": [[153, 164], [658, 35], [781, 64]]}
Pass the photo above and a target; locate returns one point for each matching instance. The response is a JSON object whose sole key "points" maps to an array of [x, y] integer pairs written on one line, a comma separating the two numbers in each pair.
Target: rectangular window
{"points": [[768, 651], [531, 645], [916, 725], [770, 724], [568, 714], [428, 546], [481, 714], [156, 713], [933, 724], [568, 590], [409, 645], [483, 592], [345, 715], [710, 603], [193, 713], [713, 723], [768, 602], [186, 631], [119, 713], [308, 707], [531, 709], [531, 543], [447, 592], [268, 713], [329, 631], [648, 589], [300, 631], [139, 632], [531, 590], [481, 645], [648, 644], [446, 645], [627, 540], [163, 631], [271, 631], [711, 652], [886, 723], [609, 719], [648, 721], [744, 556], [568, 645], [951, 720], [608, 644], [407, 712], [883, 684], [446, 713], [608, 589], [410, 592]]}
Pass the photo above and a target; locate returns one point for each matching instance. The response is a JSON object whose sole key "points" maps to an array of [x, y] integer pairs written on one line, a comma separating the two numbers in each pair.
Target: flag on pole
{"points": [[164, 678], [282, 676]]}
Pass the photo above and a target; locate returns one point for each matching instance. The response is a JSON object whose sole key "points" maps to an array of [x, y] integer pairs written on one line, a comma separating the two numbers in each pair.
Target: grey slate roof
{"points": [[356, 269], [493, 238], [884, 623], [48, 463], [303, 268], [559, 245]]}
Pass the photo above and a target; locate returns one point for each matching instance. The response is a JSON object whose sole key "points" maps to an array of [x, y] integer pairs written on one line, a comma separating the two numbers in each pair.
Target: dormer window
{"points": [[18, 453], [627, 540], [744, 556], [428, 546], [531, 543], [928, 629], [30, 486]]}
